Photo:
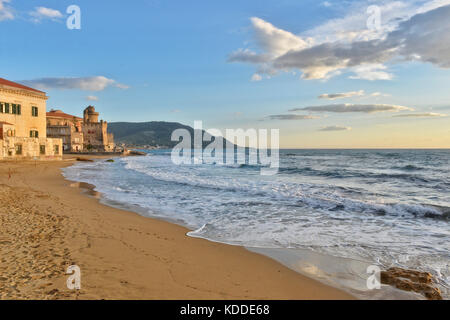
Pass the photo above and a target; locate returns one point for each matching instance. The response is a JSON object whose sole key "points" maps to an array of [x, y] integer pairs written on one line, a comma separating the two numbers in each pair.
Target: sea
{"points": [[329, 214]]}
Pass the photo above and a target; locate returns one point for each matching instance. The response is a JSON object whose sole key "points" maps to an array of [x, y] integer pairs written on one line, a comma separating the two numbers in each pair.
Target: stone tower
{"points": [[90, 116]]}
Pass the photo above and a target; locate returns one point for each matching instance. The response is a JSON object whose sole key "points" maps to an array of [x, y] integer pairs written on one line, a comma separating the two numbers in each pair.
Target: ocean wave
{"points": [[345, 174], [408, 167], [323, 197]]}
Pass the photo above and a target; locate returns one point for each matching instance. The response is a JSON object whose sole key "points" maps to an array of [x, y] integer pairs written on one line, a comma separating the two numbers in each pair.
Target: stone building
{"points": [[86, 134], [23, 132], [95, 132], [66, 127]]}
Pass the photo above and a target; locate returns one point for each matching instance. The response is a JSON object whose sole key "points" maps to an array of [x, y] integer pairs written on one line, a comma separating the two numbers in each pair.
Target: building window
{"points": [[56, 147], [1, 107], [6, 107], [42, 149], [34, 111], [19, 109], [18, 149], [34, 134], [14, 108]]}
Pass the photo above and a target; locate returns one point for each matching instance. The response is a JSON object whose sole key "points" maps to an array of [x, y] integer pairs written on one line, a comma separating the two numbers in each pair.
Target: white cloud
{"points": [[97, 83], [345, 108], [371, 72], [421, 115], [335, 128], [121, 86], [92, 98], [41, 13], [414, 31], [6, 12], [256, 77], [275, 41], [292, 117], [379, 94], [334, 96]]}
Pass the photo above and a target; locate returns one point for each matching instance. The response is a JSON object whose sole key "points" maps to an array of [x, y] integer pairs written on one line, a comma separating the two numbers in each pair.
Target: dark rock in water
{"points": [[380, 212], [137, 153], [411, 280], [85, 160], [110, 160], [338, 207]]}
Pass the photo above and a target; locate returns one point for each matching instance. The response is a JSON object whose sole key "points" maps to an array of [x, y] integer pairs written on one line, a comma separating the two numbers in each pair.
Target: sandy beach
{"points": [[48, 224]]}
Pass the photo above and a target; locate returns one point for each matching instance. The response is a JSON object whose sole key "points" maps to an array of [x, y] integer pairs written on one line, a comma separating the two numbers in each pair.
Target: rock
{"points": [[53, 292], [110, 160], [411, 280]]}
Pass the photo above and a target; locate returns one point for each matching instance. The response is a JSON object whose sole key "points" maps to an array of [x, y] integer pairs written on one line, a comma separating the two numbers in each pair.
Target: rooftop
{"points": [[60, 114], [8, 83]]}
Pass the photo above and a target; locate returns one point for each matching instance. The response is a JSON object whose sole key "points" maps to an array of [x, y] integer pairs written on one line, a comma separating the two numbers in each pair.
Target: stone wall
{"points": [[12, 148], [95, 136]]}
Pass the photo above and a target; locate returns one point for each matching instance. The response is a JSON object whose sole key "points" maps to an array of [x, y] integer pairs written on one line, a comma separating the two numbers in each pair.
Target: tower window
{"points": [[34, 134]]}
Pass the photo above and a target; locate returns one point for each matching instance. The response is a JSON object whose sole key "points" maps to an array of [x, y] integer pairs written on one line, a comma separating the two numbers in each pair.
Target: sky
{"points": [[327, 74]]}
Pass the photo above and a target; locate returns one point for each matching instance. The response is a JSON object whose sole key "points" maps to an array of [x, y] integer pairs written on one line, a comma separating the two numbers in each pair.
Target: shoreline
{"points": [[346, 274], [121, 254]]}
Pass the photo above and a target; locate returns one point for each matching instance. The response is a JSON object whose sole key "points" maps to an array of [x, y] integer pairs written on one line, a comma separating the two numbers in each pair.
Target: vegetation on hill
{"points": [[154, 134]]}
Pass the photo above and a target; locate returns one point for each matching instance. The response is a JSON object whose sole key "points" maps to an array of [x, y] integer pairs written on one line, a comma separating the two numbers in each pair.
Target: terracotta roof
{"points": [[17, 85], [60, 114]]}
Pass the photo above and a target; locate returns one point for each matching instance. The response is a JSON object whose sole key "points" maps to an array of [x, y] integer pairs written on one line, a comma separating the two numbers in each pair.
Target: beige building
{"points": [[23, 132], [86, 134], [66, 127]]}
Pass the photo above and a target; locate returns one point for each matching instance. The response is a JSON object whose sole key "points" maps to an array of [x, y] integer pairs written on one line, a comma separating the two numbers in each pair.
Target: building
{"points": [[86, 134], [23, 132], [66, 127], [96, 136]]}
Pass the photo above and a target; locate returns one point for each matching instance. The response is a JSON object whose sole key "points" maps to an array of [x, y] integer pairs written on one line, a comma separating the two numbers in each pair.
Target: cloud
{"points": [[292, 117], [420, 115], [379, 94], [41, 13], [275, 41], [6, 12], [371, 72], [345, 108], [334, 96], [97, 83], [335, 128], [121, 86], [92, 98], [417, 31], [256, 77], [247, 56]]}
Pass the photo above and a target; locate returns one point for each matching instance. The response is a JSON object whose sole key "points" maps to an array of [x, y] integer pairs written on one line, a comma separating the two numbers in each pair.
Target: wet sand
{"points": [[48, 223]]}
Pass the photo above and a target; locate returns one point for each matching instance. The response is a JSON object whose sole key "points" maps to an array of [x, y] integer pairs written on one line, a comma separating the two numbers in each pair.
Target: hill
{"points": [[154, 133]]}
